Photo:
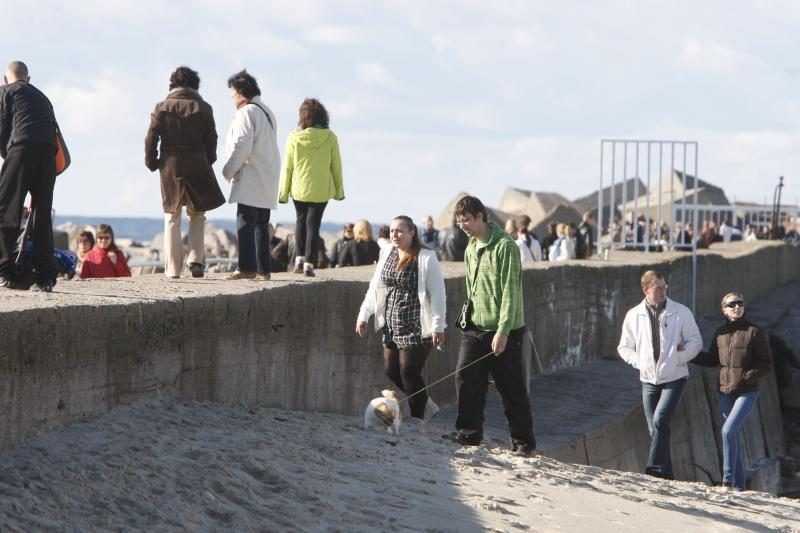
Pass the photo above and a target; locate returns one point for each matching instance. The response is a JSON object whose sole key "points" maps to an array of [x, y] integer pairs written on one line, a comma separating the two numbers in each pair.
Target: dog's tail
{"points": [[388, 393]]}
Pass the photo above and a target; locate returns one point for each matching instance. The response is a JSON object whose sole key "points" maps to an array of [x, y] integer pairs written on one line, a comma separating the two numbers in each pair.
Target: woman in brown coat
{"points": [[184, 125], [742, 352]]}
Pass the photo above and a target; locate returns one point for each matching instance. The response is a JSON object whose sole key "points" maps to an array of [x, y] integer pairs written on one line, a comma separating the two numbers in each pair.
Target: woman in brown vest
{"points": [[742, 352]]}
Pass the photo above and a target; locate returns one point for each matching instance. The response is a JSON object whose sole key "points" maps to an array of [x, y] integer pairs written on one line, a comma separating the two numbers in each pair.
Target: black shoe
{"points": [[197, 269], [44, 286], [465, 437], [5, 283], [523, 448], [655, 472]]}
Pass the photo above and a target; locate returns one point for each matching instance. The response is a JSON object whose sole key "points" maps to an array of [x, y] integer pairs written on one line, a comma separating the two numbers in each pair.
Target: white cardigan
{"points": [[677, 326], [430, 287], [254, 162]]}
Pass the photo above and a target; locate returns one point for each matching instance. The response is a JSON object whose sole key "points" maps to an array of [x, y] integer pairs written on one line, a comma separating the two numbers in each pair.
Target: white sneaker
{"points": [[430, 410]]}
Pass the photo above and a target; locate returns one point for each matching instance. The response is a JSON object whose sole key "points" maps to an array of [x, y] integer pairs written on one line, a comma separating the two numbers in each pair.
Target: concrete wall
{"points": [[576, 311], [292, 345]]}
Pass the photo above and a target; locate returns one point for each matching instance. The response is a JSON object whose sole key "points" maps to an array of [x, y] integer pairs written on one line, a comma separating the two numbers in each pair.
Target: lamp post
{"points": [[776, 208]]}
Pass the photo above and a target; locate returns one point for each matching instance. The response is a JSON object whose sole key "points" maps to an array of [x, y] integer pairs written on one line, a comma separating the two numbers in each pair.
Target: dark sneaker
{"points": [[523, 448], [5, 283], [44, 286], [656, 472], [198, 270], [465, 437]]}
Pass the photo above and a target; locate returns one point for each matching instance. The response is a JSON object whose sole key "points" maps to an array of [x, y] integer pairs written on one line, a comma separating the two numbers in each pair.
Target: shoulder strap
{"points": [[477, 266], [265, 114]]}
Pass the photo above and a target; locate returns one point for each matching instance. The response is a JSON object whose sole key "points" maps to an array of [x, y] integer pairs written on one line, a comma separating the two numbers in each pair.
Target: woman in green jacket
{"points": [[312, 175]]}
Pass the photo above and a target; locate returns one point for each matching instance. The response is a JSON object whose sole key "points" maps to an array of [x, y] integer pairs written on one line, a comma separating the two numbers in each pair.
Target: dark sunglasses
{"points": [[731, 305]]}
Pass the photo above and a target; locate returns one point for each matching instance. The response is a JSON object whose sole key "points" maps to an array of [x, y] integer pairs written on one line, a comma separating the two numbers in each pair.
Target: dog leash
{"points": [[451, 374], [539, 368]]}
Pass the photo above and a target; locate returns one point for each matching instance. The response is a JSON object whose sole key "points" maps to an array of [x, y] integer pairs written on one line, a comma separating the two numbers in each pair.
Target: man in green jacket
{"points": [[495, 325]]}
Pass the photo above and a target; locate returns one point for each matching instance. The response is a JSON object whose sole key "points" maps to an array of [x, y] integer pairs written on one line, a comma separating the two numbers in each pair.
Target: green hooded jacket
{"points": [[312, 167], [497, 296]]}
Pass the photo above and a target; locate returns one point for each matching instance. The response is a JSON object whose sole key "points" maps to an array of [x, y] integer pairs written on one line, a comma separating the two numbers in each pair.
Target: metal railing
{"points": [[623, 160]]}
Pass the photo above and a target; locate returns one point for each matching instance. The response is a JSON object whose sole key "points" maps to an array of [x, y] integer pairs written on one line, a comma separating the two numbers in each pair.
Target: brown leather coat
{"points": [[184, 125], [743, 354]]}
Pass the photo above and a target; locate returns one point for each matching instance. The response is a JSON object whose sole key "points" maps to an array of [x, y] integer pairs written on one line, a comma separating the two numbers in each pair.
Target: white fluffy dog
{"points": [[384, 412]]}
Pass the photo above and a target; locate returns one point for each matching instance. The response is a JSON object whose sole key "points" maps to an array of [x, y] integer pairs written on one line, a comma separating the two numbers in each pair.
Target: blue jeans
{"points": [[734, 409], [660, 402], [252, 228]]}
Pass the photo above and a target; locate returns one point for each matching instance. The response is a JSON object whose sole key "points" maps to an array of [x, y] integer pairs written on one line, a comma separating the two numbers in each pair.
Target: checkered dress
{"points": [[403, 329]]}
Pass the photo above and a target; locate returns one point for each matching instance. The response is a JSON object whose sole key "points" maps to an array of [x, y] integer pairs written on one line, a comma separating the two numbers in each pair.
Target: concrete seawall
{"points": [[93, 345]]}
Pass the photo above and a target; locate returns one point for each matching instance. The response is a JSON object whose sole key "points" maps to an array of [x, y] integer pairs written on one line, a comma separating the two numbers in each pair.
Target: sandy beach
{"points": [[167, 465]]}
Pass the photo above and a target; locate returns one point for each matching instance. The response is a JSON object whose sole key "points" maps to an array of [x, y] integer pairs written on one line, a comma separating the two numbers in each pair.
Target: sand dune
{"points": [[164, 464]]}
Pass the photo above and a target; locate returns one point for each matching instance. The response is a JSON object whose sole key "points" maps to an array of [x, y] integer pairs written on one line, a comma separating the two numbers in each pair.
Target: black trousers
{"points": [[28, 167], [508, 373], [309, 219], [252, 229], [404, 368]]}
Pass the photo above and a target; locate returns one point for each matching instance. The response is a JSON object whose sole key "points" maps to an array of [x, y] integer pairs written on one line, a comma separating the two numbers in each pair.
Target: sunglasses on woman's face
{"points": [[735, 303]]}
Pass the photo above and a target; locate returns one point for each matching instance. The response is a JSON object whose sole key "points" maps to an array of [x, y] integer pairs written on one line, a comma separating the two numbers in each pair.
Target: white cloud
{"points": [[334, 35], [344, 109], [711, 56], [521, 39], [441, 44], [94, 106], [472, 115], [375, 74]]}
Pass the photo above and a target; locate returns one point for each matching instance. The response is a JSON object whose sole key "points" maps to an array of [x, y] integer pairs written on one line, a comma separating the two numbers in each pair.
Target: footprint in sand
{"points": [[495, 507]]}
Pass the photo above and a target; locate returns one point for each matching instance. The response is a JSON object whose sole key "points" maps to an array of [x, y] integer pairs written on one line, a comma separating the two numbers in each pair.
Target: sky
{"points": [[427, 98]]}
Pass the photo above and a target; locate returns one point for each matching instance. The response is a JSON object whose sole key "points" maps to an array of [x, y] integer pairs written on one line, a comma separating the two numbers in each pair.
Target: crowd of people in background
{"points": [[564, 241], [647, 233]]}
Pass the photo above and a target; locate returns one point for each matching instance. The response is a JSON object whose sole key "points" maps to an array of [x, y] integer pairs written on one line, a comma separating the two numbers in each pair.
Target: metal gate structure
{"points": [[625, 222]]}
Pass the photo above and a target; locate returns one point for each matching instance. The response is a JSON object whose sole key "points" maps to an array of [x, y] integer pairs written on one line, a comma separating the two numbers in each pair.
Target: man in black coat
{"points": [[452, 243], [28, 148]]}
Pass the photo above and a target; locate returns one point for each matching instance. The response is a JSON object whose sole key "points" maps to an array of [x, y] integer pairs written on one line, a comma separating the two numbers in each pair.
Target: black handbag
{"points": [[464, 320]]}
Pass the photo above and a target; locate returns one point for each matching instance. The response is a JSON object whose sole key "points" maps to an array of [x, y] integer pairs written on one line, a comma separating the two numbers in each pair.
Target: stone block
{"points": [[573, 452], [765, 476], [694, 451]]}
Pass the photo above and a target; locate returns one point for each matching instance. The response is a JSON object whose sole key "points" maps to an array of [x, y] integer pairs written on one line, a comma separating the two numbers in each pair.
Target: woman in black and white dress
{"points": [[407, 297]]}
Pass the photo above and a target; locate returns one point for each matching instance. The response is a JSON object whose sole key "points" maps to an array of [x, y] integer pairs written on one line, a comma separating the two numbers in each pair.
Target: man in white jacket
{"points": [[659, 338], [253, 169]]}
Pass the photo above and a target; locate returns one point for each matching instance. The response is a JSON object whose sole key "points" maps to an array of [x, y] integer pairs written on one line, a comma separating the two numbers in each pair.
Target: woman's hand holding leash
{"points": [[438, 340]]}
